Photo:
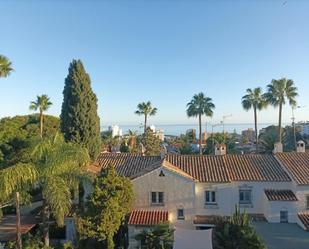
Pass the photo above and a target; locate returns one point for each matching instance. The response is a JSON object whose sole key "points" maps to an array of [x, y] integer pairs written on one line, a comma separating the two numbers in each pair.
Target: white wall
{"points": [[178, 193]]}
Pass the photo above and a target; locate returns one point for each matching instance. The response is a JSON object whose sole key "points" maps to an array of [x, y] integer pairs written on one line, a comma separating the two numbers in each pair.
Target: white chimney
{"points": [[300, 147], [278, 148], [220, 150]]}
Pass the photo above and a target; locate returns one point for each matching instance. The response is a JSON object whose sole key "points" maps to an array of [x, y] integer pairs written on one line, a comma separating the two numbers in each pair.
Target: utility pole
{"points": [[18, 230]]}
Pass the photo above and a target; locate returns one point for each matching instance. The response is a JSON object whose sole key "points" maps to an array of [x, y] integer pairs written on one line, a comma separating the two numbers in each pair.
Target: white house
{"points": [[190, 191]]}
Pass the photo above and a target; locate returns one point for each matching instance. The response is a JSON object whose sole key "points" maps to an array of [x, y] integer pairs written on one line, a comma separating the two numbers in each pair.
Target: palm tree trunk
{"points": [[145, 124], [200, 133], [45, 220], [41, 124], [279, 128], [256, 130], [18, 228]]}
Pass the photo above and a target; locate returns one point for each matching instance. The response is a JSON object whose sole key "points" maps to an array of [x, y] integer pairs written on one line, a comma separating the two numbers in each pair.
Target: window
{"points": [[284, 216], [180, 214], [157, 198], [210, 197], [307, 202], [245, 196]]}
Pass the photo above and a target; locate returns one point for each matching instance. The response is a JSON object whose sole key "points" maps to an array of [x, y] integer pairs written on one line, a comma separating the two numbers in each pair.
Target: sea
{"points": [[178, 129]]}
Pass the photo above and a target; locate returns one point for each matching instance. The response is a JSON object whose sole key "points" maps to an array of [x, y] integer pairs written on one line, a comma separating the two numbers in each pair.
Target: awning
{"points": [[147, 217], [8, 226], [197, 239]]}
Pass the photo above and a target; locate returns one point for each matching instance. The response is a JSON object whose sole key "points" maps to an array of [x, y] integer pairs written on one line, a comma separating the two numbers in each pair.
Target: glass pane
{"points": [[180, 213], [207, 197], [153, 197], [161, 198], [213, 199]]}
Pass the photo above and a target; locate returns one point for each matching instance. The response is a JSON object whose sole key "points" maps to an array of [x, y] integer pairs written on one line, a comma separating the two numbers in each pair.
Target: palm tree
{"points": [[254, 99], [61, 167], [146, 109], [42, 104], [198, 106], [278, 92], [5, 66], [13, 180]]}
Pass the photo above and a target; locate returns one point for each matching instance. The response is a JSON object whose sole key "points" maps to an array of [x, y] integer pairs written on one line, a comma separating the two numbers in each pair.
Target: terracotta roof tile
{"points": [[147, 218], [304, 218], [251, 167], [128, 165], [202, 168], [221, 169], [297, 165], [8, 226], [280, 195], [207, 219]]}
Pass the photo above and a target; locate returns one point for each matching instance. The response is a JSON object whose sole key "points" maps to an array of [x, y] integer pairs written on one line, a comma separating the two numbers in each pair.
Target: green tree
{"points": [[19, 134], [80, 122], [61, 167], [146, 109], [5, 66], [158, 237], [106, 208], [236, 232], [278, 92], [42, 104], [198, 106], [254, 99], [13, 180], [151, 143]]}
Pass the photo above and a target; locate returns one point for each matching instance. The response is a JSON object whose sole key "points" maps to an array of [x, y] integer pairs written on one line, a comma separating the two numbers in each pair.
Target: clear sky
{"points": [[162, 51]]}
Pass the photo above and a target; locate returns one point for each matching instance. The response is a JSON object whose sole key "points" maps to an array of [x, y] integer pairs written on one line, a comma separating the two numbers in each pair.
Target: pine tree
{"points": [[80, 122]]}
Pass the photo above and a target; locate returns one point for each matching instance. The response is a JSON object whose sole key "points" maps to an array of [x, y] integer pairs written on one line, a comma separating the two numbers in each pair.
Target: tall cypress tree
{"points": [[80, 122]]}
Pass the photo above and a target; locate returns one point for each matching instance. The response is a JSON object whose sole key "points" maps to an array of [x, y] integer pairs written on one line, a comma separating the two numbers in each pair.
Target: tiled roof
{"points": [[8, 226], [207, 219], [297, 164], [280, 195], [221, 169], [230, 167], [147, 218], [251, 167], [304, 218], [213, 219], [129, 165], [202, 168]]}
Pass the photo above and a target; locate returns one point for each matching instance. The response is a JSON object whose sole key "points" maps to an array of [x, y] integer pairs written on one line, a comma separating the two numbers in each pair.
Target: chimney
{"points": [[278, 148], [300, 147], [220, 150], [163, 151]]}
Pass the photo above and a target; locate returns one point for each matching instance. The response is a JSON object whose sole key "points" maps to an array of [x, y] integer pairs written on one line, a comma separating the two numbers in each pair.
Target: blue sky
{"points": [[162, 51]]}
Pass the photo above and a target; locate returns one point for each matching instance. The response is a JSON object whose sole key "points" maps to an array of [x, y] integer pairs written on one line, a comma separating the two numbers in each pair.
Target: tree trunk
{"points": [[200, 133], [41, 124], [279, 128], [145, 124], [18, 228], [256, 131], [45, 220], [110, 242]]}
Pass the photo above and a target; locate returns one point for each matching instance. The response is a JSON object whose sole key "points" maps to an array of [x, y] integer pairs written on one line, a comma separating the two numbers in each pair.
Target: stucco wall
{"points": [[178, 193]]}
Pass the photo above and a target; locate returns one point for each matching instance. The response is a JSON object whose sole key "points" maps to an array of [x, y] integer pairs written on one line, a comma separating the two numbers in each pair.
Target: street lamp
{"points": [[293, 124], [212, 133], [223, 121]]}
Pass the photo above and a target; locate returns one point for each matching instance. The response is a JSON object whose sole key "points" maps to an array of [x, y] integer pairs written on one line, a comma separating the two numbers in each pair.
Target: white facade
{"points": [[181, 192], [116, 131]]}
